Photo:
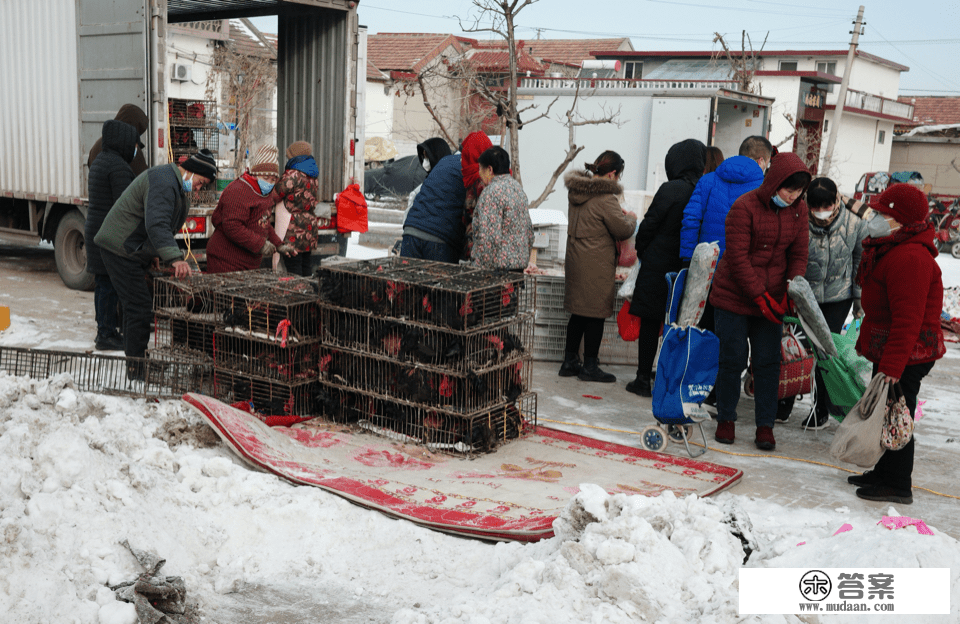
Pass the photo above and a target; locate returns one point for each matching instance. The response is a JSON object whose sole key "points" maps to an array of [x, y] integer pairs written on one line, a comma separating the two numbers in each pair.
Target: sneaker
{"points": [[765, 440], [863, 480], [885, 494], [784, 407], [640, 387], [816, 421], [726, 432]]}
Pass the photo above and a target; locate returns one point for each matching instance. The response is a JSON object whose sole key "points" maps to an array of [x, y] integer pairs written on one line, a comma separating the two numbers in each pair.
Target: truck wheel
{"points": [[69, 254]]}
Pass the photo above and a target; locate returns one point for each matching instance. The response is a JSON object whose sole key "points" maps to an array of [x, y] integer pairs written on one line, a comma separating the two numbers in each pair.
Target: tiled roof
{"points": [[375, 74], [572, 51], [409, 52], [248, 44], [933, 110], [497, 60]]}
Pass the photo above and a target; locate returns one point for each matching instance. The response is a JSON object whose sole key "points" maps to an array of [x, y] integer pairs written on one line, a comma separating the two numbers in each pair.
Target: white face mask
{"points": [[426, 166], [821, 214]]}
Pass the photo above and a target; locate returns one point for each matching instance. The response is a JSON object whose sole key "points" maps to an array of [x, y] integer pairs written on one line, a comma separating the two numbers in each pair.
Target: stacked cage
{"points": [[427, 352], [193, 126], [266, 348]]}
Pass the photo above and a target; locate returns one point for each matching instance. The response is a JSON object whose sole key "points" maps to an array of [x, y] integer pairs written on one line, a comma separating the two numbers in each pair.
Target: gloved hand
{"points": [[268, 249], [287, 250], [858, 309], [771, 309], [684, 263]]}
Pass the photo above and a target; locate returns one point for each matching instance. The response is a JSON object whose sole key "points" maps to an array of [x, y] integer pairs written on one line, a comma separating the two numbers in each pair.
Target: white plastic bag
{"points": [[626, 289]]}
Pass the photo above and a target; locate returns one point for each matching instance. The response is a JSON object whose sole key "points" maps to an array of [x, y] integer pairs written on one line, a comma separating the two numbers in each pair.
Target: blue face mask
{"points": [[265, 187], [188, 184], [878, 227], [778, 201], [134, 151]]}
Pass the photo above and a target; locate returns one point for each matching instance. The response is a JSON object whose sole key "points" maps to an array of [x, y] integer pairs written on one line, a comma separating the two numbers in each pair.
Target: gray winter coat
{"points": [[835, 256]]}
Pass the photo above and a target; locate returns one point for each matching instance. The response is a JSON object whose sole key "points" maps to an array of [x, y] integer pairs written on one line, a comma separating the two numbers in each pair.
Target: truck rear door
{"points": [[112, 63]]}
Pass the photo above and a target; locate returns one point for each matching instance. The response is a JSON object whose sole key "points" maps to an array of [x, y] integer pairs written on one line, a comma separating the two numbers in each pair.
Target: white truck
{"points": [[69, 65]]}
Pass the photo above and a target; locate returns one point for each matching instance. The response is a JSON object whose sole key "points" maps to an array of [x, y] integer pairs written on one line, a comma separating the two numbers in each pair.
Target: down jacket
{"points": [[902, 301], [595, 224], [834, 255], [109, 177], [658, 238], [438, 208], [766, 245], [242, 222], [706, 212]]}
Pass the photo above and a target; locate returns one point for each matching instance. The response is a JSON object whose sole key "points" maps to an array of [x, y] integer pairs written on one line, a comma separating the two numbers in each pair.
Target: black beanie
{"points": [[202, 163]]}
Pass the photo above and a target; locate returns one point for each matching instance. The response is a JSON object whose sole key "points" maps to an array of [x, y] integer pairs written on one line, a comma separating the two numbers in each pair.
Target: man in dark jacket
{"points": [[433, 229], [110, 175], [139, 230], [767, 233], [133, 115], [658, 248]]}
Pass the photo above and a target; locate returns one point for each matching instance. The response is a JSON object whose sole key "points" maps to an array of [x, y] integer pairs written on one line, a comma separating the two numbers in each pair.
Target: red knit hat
{"points": [[904, 202]]}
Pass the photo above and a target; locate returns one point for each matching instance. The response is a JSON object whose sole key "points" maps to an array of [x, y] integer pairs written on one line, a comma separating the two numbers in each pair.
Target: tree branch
{"points": [[429, 107]]}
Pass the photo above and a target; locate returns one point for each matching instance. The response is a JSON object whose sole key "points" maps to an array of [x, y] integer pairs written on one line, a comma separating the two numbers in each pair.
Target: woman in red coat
{"points": [[902, 298], [767, 232], [243, 233]]}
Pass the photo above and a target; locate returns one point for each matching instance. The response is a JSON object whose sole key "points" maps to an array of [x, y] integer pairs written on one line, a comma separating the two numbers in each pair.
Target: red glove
{"points": [[770, 308]]}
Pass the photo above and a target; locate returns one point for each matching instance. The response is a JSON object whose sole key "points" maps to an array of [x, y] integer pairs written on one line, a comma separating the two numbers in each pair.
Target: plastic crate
{"points": [[549, 344], [549, 301], [550, 243]]}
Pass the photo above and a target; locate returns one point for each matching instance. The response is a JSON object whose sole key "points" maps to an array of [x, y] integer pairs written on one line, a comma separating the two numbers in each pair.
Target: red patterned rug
{"points": [[512, 494]]}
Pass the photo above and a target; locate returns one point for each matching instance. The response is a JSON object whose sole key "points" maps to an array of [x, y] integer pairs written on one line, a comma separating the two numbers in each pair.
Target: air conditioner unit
{"points": [[182, 72]]}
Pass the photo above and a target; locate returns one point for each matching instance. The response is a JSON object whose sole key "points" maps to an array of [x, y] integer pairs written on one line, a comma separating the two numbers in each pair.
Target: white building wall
{"points": [[786, 91], [379, 110], [857, 150], [196, 52]]}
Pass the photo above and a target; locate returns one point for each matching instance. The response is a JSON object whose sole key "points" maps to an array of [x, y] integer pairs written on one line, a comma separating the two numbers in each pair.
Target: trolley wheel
{"points": [[955, 250], [676, 432], [653, 438], [748, 385]]}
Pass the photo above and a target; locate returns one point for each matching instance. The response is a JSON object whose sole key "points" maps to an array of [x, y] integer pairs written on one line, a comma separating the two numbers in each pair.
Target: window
{"points": [[788, 66], [632, 70], [828, 67], [826, 126], [881, 135]]}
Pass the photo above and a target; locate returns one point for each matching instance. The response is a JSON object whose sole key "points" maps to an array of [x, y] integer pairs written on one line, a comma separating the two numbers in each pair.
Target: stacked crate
{"points": [[550, 331], [427, 352], [193, 126], [267, 344]]}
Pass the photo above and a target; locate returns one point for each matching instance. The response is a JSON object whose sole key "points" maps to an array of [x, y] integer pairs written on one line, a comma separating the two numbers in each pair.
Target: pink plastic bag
{"points": [[626, 253]]}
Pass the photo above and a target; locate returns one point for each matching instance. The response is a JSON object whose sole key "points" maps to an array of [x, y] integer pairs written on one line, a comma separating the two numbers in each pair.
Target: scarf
{"points": [[475, 144], [876, 248], [305, 164]]}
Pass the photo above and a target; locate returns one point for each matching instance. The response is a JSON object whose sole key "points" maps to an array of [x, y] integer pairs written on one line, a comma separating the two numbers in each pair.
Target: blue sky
{"points": [[922, 35]]}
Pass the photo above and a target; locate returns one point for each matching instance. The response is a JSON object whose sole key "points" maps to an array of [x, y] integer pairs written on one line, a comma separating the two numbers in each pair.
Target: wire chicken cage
{"points": [[289, 360], [463, 393], [106, 374], [409, 341], [193, 126], [433, 293], [267, 397], [436, 428], [283, 308]]}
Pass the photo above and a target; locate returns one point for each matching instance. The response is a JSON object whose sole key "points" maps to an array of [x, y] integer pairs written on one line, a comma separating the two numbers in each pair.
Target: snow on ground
{"points": [[82, 472]]}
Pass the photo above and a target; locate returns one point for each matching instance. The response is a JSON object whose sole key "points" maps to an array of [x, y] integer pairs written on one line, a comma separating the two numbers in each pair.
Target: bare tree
{"points": [[246, 82], [573, 121], [743, 66], [500, 15], [808, 139]]}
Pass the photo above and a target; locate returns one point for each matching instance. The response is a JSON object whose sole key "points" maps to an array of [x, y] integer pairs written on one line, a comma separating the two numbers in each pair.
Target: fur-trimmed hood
{"points": [[582, 186]]}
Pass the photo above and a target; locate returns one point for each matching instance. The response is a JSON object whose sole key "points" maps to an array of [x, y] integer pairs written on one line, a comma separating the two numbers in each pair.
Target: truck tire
{"points": [[69, 254]]}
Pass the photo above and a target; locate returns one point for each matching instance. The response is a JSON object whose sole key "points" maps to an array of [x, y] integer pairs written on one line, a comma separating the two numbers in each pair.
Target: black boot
{"points": [[640, 386], [109, 343], [591, 372], [571, 365]]}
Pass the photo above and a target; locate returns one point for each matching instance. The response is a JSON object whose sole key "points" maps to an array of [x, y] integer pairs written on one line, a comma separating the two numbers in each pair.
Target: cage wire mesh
{"points": [[434, 293], [277, 310], [106, 374], [410, 341], [267, 397], [438, 429], [290, 359], [193, 126], [463, 393], [190, 334]]}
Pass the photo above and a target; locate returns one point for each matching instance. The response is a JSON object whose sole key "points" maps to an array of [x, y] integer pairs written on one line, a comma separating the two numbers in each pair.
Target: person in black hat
{"points": [[139, 231]]}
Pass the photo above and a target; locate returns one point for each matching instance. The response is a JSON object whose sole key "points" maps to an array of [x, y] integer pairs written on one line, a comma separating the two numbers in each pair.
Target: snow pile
{"points": [[83, 472]]}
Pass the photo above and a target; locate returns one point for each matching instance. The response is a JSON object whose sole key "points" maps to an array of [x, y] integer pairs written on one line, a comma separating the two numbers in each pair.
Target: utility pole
{"points": [[842, 96]]}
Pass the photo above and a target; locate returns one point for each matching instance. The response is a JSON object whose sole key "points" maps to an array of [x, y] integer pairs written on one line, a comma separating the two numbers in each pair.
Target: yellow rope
{"points": [[720, 450]]}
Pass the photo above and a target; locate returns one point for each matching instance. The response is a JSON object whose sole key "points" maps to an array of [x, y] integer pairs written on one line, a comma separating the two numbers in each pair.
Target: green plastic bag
{"points": [[845, 376]]}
